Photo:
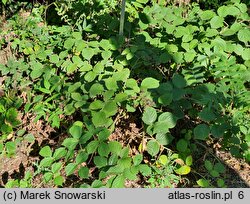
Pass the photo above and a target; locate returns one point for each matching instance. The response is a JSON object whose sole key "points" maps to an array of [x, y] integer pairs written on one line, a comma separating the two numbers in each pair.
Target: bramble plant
{"points": [[179, 74]]}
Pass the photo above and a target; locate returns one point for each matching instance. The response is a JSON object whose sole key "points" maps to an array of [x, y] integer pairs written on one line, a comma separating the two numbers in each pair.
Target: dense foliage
{"points": [[179, 76]]}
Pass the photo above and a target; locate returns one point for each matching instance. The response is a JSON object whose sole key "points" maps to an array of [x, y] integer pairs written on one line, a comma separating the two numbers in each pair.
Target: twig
{"points": [[202, 145]]}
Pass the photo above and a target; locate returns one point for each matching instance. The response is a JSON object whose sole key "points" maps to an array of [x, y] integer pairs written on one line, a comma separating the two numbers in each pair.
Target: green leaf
{"points": [[1, 148], [214, 173], [208, 165], [149, 115], [4, 2], [201, 132], [80, 45], [69, 109], [113, 159], [124, 152], [160, 127], [54, 58], [132, 84], [218, 130], [10, 147], [70, 168], [193, 44], [163, 159], [85, 67], [2, 108], [37, 70], [90, 76], [45, 152], [235, 151], [217, 22], [189, 160], [243, 7], [99, 119], [244, 35], [180, 31], [153, 147], [108, 96], [184, 170], [77, 35], [173, 47], [224, 11], [76, 96], [207, 15], [178, 57], [228, 32], [96, 105], [207, 115], [164, 139], [120, 97], [29, 138], [220, 183], [211, 32], [103, 135], [92, 146], [118, 182], [124, 162], [59, 153], [122, 75], [189, 56], [105, 44], [145, 169], [100, 161], [46, 162], [98, 68], [187, 38], [70, 143], [47, 177], [117, 169], [76, 130], [110, 108], [106, 54], [142, 1], [96, 89], [131, 173], [246, 53], [137, 159], [81, 157], [97, 184], [178, 81], [71, 68], [150, 83], [203, 183], [68, 44], [168, 118], [11, 114], [58, 180], [166, 98], [219, 167], [83, 172], [182, 145], [56, 167], [115, 147], [103, 149], [88, 53], [111, 84]]}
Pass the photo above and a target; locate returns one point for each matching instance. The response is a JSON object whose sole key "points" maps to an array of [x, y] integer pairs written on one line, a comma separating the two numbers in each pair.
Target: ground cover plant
{"points": [[123, 94]]}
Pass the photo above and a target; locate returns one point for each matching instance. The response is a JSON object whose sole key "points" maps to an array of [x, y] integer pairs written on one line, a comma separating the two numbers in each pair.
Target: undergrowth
{"points": [[126, 110]]}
